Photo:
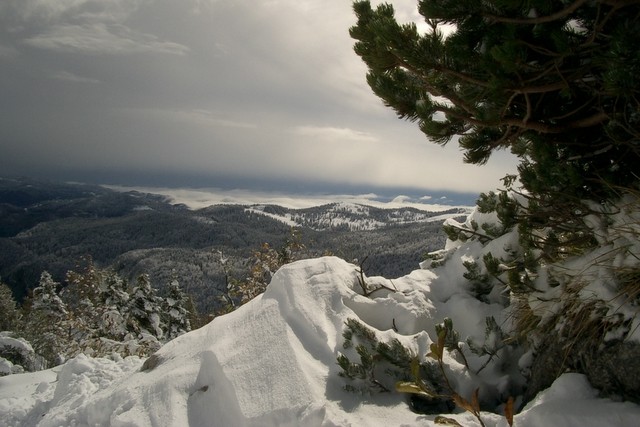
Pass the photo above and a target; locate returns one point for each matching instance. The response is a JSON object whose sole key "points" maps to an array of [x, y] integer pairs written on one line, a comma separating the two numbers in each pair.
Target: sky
{"points": [[246, 94]]}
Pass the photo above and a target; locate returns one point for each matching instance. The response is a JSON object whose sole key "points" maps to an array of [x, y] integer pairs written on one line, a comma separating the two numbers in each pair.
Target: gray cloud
{"points": [[101, 38], [65, 75], [267, 90], [40, 12]]}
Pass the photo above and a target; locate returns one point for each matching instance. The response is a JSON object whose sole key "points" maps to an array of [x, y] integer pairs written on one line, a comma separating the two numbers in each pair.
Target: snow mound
{"points": [[273, 363], [572, 402]]}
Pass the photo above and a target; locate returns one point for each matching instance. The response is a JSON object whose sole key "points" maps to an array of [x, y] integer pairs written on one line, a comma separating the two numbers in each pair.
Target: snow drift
{"points": [[273, 363]]}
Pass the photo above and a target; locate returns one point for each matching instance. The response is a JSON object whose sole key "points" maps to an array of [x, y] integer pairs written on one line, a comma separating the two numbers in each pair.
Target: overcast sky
{"points": [[206, 93]]}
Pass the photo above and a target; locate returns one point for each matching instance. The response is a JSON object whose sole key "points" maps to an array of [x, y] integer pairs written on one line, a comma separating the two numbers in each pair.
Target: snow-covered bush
{"points": [[481, 270], [545, 312], [572, 291], [584, 305], [17, 355]]}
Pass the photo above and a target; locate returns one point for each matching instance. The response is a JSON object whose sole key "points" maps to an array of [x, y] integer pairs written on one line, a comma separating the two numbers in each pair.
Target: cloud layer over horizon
{"points": [[266, 90]]}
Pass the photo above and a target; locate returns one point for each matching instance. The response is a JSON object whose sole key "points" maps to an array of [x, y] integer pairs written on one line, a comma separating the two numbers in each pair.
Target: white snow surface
{"points": [[273, 363]]}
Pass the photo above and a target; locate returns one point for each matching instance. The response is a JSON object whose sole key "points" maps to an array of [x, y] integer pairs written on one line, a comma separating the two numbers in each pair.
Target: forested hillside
{"points": [[50, 226]]}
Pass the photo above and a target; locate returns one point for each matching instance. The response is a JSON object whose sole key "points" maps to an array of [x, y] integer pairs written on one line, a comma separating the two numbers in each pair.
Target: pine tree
{"points": [[558, 84], [83, 293], [115, 318], [175, 313], [8, 311], [145, 308], [196, 320], [48, 323], [102, 322]]}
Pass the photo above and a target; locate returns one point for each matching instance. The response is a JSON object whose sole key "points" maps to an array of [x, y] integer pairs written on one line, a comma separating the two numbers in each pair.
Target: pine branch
{"points": [[475, 233], [540, 19], [433, 90]]}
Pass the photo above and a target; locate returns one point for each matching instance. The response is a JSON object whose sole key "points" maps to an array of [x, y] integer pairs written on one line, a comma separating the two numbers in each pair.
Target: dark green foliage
{"points": [[356, 329], [481, 285], [494, 340], [8, 309], [490, 275], [492, 264], [450, 338], [507, 211], [420, 386], [375, 358], [464, 232], [380, 364], [454, 233], [555, 82]]}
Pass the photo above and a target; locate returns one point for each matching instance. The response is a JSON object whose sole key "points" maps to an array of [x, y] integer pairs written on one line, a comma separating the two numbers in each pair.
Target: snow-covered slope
{"points": [[273, 363], [355, 216]]}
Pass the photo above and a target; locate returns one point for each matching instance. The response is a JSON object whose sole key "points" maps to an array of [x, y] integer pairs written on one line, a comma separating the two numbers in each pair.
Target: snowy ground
{"points": [[273, 363]]}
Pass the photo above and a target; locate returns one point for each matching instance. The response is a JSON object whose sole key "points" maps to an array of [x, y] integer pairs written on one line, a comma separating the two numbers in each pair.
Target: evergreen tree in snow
{"points": [[145, 308], [101, 314], [83, 295], [8, 311], [48, 323], [196, 320], [557, 83], [175, 313], [115, 316], [16, 354]]}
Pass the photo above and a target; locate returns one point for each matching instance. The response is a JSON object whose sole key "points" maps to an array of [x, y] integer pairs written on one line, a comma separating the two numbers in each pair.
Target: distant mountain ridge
{"points": [[48, 225], [352, 216], [26, 202]]}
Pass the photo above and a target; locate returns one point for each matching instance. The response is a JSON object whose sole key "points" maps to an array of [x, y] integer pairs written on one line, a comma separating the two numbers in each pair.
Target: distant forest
{"points": [[50, 226]]}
